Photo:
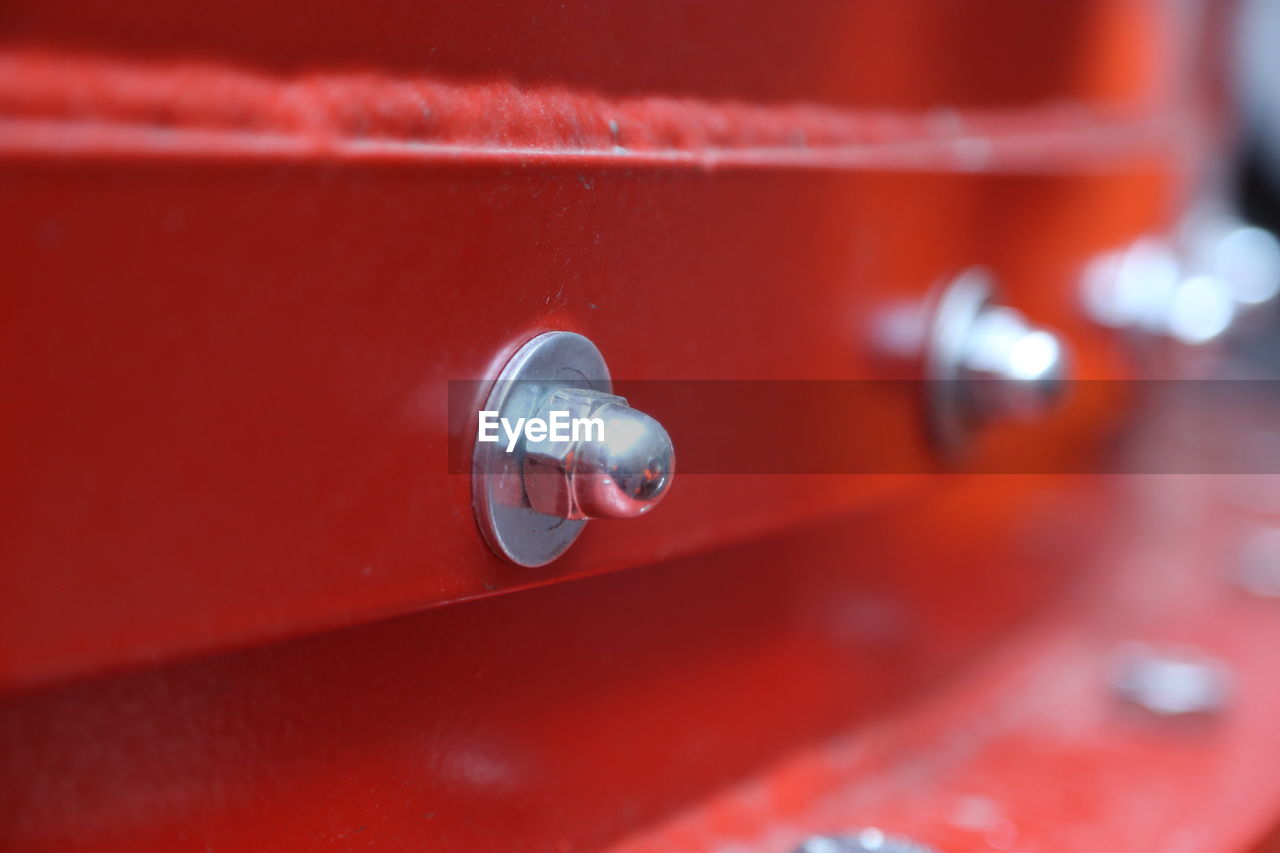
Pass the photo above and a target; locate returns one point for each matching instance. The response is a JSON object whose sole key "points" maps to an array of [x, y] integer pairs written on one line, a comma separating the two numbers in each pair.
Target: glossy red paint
{"points": [[1030, 750], [243, 262], [873, 53], [232, 376], [558, 718]]}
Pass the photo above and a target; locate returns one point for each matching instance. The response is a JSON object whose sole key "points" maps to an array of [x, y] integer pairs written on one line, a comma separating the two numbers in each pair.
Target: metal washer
{"points": [[949, 423], [512, 528]]}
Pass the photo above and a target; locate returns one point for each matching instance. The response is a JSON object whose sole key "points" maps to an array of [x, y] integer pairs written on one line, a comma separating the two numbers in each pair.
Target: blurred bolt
{"points": [[1170, 682], [987, 363], [1244, 257], [1019, 370], [1193, 290], [1146, 287]]}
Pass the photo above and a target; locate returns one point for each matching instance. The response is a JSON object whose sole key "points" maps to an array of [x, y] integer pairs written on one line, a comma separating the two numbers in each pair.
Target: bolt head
{"points": [[623, 474], [988, 363], [1245, 258], [1193, 290], [1170, 682], [1011, 368], [628, 473]]}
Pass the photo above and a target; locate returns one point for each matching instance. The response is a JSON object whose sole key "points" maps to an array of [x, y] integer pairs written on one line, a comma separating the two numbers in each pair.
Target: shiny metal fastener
{"points": [[622, 475], [533, 498], [1193, 289], [987, 362], [1170, 682]]}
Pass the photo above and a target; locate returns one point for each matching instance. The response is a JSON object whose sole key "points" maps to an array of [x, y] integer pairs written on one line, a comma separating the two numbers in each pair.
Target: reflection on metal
{"points": [[1170, 682], [533, 495], [1192, 290], [986, 362]]}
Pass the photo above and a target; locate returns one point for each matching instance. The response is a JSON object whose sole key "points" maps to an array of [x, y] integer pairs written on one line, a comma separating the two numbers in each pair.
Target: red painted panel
{"points": [[232, 379], [243, 262], [881, 53], [1031, 750], [557, 718]]}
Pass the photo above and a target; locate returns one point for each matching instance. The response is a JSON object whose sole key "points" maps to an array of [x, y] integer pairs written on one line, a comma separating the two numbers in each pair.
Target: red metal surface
{"points": [[556, 718], [879, 53], [242, 263], [232, 375], [1030, 750]]}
